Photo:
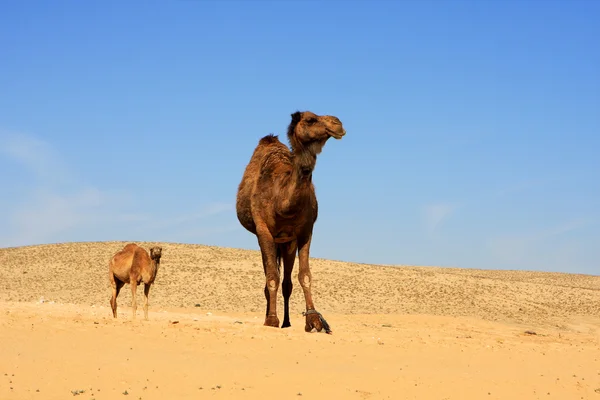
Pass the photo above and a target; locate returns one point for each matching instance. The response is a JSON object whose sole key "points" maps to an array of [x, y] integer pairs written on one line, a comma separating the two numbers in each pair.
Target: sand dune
{"points": [[399, 331]]}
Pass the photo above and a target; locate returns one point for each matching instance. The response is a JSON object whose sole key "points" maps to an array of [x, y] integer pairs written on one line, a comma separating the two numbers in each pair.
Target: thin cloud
{"points": [[35, 155], [205, 212], [47, 214], [568, 226], [521, 186], [522, 250], [209, 210], [565, 227], [435, 214], [201, 232], [57, 206], [54, 204]]}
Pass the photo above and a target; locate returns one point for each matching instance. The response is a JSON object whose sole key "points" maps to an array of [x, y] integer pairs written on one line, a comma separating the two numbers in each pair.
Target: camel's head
{"points": [[308, 128], [156, 253]]}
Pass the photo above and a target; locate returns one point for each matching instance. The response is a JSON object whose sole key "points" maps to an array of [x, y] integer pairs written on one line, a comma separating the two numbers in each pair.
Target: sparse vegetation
{"points": [[545, 298]]}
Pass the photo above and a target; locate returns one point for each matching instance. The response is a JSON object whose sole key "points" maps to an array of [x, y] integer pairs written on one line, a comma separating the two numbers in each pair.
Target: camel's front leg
{"points": [[134, 284], [289, 255], [269, 259], [314, 320], [146, 292], [116, 288]]}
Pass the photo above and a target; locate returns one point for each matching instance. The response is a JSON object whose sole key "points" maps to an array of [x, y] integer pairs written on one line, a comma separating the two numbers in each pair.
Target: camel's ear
{"points": [[296, 117]]}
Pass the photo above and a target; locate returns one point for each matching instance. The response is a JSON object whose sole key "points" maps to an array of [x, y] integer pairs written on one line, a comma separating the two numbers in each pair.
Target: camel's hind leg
{"points": [[146, 292], [134, 285], [269, 257], [116, 288], [288, 253]]}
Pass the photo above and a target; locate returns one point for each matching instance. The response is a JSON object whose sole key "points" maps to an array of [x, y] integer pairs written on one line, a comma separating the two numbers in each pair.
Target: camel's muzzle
{"points": [[337, 135]]}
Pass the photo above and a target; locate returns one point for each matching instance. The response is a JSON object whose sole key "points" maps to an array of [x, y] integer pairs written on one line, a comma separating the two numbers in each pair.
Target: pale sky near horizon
{"points": [[473, 128]]}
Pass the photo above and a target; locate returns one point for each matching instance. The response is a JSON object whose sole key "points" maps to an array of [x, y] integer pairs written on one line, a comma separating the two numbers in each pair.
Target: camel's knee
{"points": [[272, 282], [273, 285], [305, 281]]}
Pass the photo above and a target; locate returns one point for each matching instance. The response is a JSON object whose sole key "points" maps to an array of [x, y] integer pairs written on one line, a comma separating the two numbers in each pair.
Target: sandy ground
{"points": [[398, 332]]}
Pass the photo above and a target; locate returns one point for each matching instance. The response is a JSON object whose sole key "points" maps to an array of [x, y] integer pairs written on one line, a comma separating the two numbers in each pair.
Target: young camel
{"points": [[133, 265], [276, 201]]}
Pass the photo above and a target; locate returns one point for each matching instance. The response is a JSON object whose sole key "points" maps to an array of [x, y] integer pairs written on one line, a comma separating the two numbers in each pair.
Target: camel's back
{"points": [[124, 256], [269, 154], [274, 156], [142, 267], [269, 157], [120, 263]]}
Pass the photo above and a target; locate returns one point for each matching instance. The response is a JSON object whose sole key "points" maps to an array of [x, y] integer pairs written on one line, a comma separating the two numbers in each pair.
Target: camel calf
{"points": [[133, 265]]}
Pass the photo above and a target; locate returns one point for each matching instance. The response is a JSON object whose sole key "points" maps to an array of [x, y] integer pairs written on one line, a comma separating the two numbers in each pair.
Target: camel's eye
{"points": [[311, 120]]}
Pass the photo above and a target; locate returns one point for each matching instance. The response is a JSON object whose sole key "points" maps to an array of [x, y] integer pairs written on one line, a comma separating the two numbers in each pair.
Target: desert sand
{"points": [[399, 332]]}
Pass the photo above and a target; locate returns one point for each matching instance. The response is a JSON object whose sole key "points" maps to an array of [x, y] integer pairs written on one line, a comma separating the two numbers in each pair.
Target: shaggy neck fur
{"points": [[304, 155], [155, 263], [298, 187], [305, 159]]}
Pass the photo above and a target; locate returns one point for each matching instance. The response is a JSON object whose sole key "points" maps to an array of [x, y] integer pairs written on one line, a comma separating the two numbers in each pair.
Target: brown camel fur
{"points": [[133, 265], [276, 201]]}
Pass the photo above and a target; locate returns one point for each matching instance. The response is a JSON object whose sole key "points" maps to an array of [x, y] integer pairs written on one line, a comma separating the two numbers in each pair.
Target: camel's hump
{"points": [[269, 139]]}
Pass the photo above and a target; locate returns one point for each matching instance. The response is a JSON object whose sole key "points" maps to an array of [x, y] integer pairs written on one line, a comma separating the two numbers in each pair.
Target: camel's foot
{"points": [[286, 323], [314, 320], [272, 320]]}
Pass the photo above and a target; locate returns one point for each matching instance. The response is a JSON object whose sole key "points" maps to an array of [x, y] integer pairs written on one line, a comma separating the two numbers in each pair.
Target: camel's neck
{"points": [[155, 264], [304, 156], [304, 163], [298, 187]]}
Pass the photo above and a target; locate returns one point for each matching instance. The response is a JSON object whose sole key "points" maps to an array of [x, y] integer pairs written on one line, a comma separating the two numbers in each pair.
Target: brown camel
{"points": [[276, 201], [133, 265]]}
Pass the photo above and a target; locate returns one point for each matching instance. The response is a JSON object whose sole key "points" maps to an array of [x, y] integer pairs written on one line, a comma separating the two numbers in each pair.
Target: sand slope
{"points": [[399, 332]]}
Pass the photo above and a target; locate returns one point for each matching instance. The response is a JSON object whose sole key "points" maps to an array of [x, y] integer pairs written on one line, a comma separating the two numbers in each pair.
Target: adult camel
{"points": [[276, 201]]}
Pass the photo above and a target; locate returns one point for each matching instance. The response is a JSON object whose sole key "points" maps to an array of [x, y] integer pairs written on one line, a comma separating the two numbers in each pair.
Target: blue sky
{"points": [[473, 127]]}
